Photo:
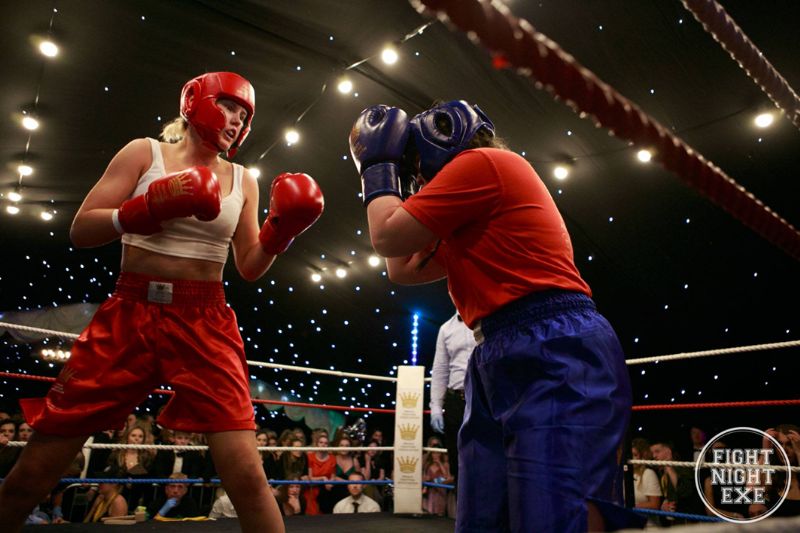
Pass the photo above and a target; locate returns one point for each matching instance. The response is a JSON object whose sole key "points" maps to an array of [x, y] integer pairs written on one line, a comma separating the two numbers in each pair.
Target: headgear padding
{"points": [[444, 131], [198, 106]]}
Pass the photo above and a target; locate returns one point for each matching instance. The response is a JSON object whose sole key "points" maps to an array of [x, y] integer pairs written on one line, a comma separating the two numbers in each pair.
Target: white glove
{"points": [[437, 422]]}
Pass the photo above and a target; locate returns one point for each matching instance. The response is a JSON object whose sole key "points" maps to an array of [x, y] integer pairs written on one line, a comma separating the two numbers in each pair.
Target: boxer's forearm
{"points": [[393, 231], [93, 228]]}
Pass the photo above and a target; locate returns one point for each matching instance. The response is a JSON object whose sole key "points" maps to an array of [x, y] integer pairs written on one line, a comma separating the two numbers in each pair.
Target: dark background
{"points": [[672, 271]]}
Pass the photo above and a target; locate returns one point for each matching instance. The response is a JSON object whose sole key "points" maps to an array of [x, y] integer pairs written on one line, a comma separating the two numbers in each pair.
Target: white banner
{"points": [[408, 439]]}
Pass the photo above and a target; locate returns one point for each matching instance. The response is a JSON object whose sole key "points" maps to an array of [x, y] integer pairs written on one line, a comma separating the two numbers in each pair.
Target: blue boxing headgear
{"points": [[444, 131]]}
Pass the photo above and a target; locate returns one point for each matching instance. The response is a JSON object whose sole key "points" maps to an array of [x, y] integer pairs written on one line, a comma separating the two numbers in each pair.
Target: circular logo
{"points": [[741, 472]]}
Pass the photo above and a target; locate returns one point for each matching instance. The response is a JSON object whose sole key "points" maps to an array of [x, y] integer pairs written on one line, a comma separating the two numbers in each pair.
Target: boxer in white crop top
{"points": [[177, 206]]}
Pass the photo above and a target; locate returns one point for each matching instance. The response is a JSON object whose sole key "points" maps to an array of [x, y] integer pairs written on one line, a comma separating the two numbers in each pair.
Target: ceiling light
{"points": [[292, 136], [46, 215], [14, 196], [341, 273], [255, 172], [345, 86], [644, 156], [764, 120], [316, 278], [25, 170], [560, 172], [48, 48], [30, 123], [12, 209], [389, 55], [374, 260]]}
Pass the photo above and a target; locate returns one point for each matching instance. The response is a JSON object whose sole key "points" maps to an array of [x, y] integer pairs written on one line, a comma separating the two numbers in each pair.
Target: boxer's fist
{"points": [[295, 203], [377, 143], [192, 191]]}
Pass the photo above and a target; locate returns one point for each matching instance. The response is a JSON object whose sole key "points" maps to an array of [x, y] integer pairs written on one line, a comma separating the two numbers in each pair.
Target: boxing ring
{"points": [[407, 449], [514, 43]]}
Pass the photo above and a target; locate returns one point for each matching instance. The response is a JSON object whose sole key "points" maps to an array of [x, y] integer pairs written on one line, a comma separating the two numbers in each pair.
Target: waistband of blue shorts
{"points": [[533, 307], [146, 288]]}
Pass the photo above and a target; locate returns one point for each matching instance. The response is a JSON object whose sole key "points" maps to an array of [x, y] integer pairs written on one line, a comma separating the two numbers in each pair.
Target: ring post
{"points": [[408, 440]]}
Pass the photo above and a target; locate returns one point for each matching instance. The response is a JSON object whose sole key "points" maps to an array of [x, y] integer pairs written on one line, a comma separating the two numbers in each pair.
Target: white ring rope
{"points": [[692, 464], [309, 370], [73, 336], [195, 447], [721, 351]]}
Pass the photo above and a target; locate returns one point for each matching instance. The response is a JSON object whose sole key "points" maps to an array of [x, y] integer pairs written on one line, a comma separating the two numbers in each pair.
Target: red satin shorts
{"points": [[152, 332]]}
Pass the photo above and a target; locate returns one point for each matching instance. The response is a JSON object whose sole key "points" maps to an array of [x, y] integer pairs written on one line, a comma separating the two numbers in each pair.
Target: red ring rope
{"points": [[255, 400], [518, 44], [730, 36], [652, 407]]}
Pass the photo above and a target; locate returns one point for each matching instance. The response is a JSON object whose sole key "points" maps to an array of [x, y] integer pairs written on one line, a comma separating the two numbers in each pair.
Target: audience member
{"points": [[8, 454], [373, 469], [713, 493], [435, 468], [24, 431], [188, 462], [346, 464], [290, 498], [294, 463], [108, 502], [646, 487], [356, 502], [788, 436], [133, 463], [321, 467], [175, 502], [699, 440], [677, 484]]}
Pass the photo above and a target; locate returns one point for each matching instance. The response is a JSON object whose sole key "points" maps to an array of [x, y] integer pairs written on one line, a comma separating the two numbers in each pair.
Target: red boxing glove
{"points": [[295, 203], [192, 191]]}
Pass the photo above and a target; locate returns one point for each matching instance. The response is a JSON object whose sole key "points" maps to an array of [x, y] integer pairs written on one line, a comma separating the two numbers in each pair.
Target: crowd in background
{"points": [[178, 500], [673, 488], [665, 488]]}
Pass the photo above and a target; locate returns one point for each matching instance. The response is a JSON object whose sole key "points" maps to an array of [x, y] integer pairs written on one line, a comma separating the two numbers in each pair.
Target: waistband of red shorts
{"points": [[146, 288]]}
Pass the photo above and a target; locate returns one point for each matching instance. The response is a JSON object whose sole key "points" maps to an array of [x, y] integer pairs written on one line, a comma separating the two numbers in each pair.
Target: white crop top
{"points": [[187, 236]]}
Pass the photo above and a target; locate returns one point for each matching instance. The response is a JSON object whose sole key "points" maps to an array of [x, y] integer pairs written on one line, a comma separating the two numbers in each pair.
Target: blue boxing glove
{"points": [[168, 506], [378, 141], [437, 422]]}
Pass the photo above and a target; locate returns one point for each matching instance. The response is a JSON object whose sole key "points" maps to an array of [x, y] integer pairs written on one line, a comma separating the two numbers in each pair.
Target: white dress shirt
{"points": [[223, 508], [454, 345], [365, 505]]}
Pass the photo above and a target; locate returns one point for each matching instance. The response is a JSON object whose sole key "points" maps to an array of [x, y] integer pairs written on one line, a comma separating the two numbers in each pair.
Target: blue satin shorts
{"points": [[548, 401]]}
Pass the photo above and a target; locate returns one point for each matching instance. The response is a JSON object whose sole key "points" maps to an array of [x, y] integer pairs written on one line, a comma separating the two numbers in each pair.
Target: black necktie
{"points": [[355, 507]]}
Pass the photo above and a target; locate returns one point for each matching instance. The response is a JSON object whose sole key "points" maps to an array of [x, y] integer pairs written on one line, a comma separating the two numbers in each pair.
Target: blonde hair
{"points": [[174, 130]]}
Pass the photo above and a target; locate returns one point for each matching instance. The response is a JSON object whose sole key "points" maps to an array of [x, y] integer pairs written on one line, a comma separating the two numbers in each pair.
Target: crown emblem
{"points": [[408, 432], [409, 399], [407, 464]]}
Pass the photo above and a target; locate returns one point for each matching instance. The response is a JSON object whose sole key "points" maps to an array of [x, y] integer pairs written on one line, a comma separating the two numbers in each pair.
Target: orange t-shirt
{"points": [[502, 235]]}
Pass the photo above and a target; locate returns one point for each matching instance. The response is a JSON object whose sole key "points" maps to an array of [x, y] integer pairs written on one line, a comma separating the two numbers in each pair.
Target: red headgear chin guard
{"points": [[198, 106]]}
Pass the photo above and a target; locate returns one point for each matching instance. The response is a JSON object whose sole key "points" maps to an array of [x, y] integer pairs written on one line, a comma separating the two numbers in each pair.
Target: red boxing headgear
{"points": [[198, 105]]}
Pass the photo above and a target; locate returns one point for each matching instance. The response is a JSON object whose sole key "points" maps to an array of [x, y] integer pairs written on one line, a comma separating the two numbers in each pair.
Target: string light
{"points": [[30, 123], [414, 338], [389, 55], [764, 120], [48, 48], [291, 136]]}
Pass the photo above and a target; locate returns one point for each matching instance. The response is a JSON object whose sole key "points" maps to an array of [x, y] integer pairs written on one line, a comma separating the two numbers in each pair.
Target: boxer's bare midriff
{"points": [[150, 263]]}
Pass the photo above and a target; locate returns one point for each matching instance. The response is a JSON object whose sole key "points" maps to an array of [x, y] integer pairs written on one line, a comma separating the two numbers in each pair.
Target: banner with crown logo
{"points": [[408, 440]]}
